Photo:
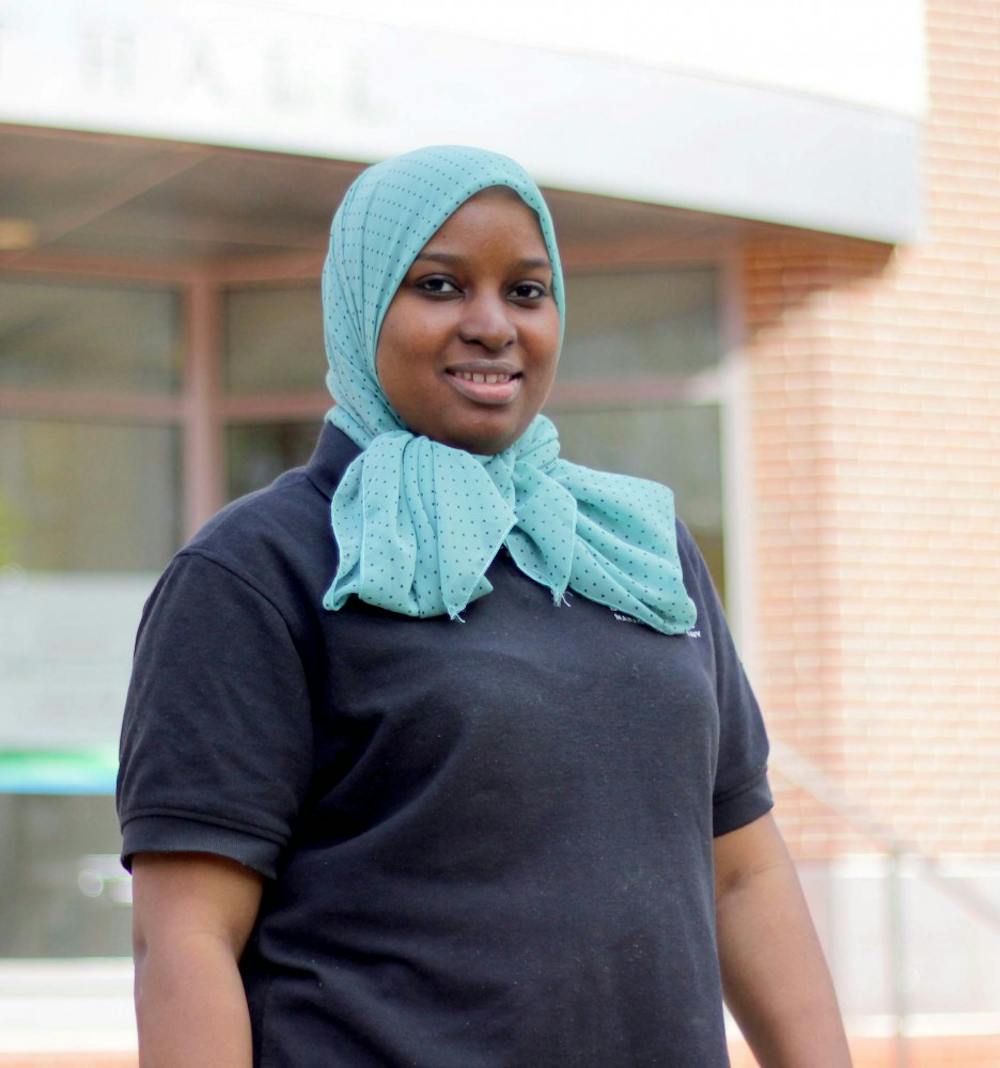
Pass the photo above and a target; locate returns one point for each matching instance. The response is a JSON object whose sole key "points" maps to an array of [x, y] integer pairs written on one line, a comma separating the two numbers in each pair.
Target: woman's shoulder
{"points": [[288, 510], [274, 543]]}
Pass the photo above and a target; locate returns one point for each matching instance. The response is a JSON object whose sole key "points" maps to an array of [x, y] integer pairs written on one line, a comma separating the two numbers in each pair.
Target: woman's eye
{"points": [[437, 286], [529, 291]]}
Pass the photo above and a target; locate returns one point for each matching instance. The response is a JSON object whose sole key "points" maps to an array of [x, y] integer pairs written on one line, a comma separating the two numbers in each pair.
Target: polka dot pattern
{"points": [[418, 523]]}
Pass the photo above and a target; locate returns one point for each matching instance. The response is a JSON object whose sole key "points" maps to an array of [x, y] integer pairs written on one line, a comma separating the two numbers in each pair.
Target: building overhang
{"points": [[306, 82]]}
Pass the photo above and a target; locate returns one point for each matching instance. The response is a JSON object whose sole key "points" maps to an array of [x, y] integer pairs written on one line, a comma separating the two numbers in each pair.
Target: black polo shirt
{"points": [[486, 843]]}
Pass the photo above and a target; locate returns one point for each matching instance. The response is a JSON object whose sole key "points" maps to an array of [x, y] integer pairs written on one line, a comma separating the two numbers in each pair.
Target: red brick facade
{"points": [[977, 1051], [876, 422]]}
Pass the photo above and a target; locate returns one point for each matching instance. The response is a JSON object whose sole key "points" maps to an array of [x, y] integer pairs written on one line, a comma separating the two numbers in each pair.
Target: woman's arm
{"points": [[192, 915], [776, 982]]}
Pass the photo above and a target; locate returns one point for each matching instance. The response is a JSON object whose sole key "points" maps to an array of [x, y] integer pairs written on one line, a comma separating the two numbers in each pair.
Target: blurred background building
{"points": [[781, 227]]}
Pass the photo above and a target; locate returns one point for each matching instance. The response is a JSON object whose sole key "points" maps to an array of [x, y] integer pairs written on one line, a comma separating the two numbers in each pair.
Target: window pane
{"points": [[65, 653], [680, 446], [257, 453], [640, 324], [62, 891], [274, 340], [88, 497], [89, 337]]}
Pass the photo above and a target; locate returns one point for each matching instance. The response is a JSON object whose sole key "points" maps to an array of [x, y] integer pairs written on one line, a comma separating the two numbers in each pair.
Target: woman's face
{"points": [[469, 345]]}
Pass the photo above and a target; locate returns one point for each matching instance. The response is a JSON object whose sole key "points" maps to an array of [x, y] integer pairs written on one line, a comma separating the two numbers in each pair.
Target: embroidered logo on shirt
{"points": [[622, 618]]}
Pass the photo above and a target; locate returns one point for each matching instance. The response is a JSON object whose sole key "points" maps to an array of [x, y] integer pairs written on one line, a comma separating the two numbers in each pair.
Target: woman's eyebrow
{"points": [[450, 258]]}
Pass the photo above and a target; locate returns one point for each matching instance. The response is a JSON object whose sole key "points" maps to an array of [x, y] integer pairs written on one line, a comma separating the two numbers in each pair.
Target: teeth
{"points": [[475, 376]]}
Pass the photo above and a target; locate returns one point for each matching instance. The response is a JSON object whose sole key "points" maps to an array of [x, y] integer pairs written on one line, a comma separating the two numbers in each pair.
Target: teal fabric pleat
{"points": [[418, 523]]}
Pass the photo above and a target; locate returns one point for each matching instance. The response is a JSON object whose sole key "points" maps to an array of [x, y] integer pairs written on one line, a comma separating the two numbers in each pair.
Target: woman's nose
{"points": [[487, 322]]}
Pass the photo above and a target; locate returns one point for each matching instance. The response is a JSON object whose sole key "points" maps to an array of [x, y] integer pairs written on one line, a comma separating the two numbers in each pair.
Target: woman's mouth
{"points": [[486, 387]]}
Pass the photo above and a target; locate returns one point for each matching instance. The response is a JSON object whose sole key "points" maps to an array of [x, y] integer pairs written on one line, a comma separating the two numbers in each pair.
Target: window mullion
{"points": [[204, 466]]}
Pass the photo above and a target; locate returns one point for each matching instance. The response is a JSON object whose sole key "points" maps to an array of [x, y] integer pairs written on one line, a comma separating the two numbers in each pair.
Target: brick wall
{"points": [[876, 401], [974, 1051]]}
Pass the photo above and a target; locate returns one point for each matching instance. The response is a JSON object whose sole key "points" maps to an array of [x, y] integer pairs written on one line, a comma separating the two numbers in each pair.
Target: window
{"points": [[62, 891], [89, 337], [639, 388], [90, 512], [273, 339], [88, 496], [272, 348], [256, 453]]}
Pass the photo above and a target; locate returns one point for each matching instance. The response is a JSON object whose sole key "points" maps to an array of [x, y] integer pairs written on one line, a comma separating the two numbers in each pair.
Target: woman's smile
{"points": [[468, 348], [486, 385]]}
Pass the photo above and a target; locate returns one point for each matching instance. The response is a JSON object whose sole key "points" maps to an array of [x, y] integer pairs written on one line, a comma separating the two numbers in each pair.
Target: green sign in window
{"points": [[86, 771]]}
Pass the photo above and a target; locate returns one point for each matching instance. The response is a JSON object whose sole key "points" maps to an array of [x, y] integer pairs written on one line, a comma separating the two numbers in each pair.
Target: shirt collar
{"points": [[334, 451]]}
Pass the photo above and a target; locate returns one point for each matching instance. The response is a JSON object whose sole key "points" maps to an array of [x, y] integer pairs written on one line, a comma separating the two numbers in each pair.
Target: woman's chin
{"points": [[490, 431]]}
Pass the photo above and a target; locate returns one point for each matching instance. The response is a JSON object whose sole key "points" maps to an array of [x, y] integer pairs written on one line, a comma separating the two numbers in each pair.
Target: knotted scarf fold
{"points": [[418, 523]]}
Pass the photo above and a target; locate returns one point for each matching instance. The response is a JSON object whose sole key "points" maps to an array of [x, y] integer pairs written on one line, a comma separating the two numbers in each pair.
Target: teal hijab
{"points": [[418, 523]]}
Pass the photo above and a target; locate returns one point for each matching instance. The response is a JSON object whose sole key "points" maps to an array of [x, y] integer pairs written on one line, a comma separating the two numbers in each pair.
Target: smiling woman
{"points": [[468, 348], [438, 750]]}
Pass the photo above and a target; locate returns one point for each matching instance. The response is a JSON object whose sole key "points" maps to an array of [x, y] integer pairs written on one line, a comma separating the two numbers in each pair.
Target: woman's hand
{"points": [[776, 981], [192, 915]]}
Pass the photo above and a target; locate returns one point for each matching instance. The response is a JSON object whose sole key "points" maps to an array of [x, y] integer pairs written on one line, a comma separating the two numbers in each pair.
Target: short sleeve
{"points": [[741, 792], [216, 745]]}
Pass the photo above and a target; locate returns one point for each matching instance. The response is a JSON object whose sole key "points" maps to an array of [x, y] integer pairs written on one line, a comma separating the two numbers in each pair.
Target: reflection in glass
{"points": [[641, 324], [66, 643], [89, 337], [257, 453], [678, 445], [274, 340], [62, 891], [88, 497]]}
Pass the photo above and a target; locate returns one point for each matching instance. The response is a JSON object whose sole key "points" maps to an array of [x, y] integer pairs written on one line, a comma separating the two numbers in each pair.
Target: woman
{"points": [[485, 797]]}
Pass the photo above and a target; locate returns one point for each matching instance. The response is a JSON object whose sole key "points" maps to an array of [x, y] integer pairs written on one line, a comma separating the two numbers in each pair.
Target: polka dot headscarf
{"points": [[418, 523]]}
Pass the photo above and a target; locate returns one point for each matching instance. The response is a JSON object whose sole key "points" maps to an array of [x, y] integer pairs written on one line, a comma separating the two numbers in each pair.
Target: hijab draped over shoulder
{"points": [[418, 523]]}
